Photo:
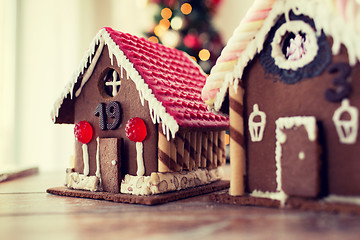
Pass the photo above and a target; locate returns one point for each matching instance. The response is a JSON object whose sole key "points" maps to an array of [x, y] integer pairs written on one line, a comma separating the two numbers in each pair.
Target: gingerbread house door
{"points": [[298, 156], [110, 163]]}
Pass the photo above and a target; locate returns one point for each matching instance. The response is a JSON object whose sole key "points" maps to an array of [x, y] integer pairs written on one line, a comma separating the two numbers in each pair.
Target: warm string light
{"points": [[159, 30], [186, 8], [171, 37], [176, 23], [165, 23], [177, 27], [153, 39], [166, 13], [204, 55]]}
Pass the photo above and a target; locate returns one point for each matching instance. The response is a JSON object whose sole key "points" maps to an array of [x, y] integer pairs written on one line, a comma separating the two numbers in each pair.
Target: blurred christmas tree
{"points": [[186, 25]]}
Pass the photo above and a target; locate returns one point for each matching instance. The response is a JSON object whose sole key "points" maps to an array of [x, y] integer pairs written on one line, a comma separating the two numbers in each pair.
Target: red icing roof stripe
{"points": [[173, 78]]}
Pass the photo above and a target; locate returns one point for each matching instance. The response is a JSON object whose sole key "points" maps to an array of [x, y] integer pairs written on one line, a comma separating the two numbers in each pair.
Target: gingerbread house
{"points": [[290, 71], [141, 127]]}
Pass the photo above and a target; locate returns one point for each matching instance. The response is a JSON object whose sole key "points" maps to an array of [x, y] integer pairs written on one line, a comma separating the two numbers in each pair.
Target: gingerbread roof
{"points": [[336, 18], [168, 79]]}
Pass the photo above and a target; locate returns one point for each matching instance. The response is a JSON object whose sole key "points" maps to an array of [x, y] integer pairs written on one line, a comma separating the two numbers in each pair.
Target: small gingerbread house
{"points": [[291, 72], [141, 127]]}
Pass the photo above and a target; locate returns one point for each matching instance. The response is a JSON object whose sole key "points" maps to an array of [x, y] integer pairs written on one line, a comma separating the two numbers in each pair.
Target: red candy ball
{"points": [[135, 129], [83, 132]]}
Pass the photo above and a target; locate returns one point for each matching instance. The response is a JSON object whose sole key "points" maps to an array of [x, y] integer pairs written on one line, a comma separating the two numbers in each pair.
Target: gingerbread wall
{"points": [[91, 96], [339, 162]]}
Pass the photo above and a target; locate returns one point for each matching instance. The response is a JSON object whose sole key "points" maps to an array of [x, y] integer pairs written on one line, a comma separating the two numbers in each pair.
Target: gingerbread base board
{"points": [[291, 203], [144, 200]]}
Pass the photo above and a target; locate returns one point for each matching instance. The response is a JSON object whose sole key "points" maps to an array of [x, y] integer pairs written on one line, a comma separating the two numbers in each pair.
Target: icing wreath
{"points": [[294, 50]]}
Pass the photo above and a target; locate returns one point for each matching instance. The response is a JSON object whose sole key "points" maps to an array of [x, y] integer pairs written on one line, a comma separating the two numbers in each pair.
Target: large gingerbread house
{"points": [[141, 127], [291, 72]]}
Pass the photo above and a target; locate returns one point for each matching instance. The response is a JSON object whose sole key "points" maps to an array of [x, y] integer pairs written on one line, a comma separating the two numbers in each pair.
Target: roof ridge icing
{"points": [[337, 18]]}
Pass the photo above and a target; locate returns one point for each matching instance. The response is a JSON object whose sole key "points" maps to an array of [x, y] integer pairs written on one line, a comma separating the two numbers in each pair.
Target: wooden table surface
{"points": [[28, 212]]}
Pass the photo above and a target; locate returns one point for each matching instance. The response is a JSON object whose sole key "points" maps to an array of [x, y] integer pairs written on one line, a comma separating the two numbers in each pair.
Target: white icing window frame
{"points": [[295, 27]]}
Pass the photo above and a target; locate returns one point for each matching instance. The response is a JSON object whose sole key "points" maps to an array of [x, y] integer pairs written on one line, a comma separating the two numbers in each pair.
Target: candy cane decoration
{"points": [[136, 131], [243, 35], [83, 133]]}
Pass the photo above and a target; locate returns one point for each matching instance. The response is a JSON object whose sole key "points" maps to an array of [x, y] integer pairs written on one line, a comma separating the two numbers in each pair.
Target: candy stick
{"points": [[204, 150], [164, 149], [237, 151], [221, 152], [193, 164], [210, 154], [243, 35], [198, 149], [187, 151], [180, 149], [173, 158], [215, 148]]}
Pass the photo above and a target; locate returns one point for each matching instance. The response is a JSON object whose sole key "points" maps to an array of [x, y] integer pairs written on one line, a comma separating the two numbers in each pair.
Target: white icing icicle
{"points": [[85, 159], [91, 68], [140, 159]]}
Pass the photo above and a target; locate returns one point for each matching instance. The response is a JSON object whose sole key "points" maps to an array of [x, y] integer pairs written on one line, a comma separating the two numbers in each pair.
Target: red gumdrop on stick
{"points": [[83, 132], [135, 129]]}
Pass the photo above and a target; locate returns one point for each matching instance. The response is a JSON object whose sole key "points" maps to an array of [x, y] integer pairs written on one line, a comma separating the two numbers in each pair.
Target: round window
{"points": [[110, 82], [294, 45], [294, 50]]}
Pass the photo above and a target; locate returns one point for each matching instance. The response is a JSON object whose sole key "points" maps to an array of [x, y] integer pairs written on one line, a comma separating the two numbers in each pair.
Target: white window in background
{"points": [[7, 82]]}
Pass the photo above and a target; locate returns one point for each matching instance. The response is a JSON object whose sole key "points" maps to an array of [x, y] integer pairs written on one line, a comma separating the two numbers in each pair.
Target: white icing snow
{"points": [[80, 181], [166, 182]]}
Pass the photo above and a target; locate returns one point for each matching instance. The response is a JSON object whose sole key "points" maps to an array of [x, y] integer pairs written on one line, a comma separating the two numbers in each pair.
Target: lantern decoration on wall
{"points": [[347, 129], [83, 133], [136, 131], [257, 122]]}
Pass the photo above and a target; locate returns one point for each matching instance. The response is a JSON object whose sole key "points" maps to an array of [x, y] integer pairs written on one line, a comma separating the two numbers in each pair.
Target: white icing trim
{"points": [[85, 159], [280, 196], [256, 129], [157, 110], [347, 130], [295, 27], [139, 159], [325, 19], [343, 199], [91, 68], [308, 122]]}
